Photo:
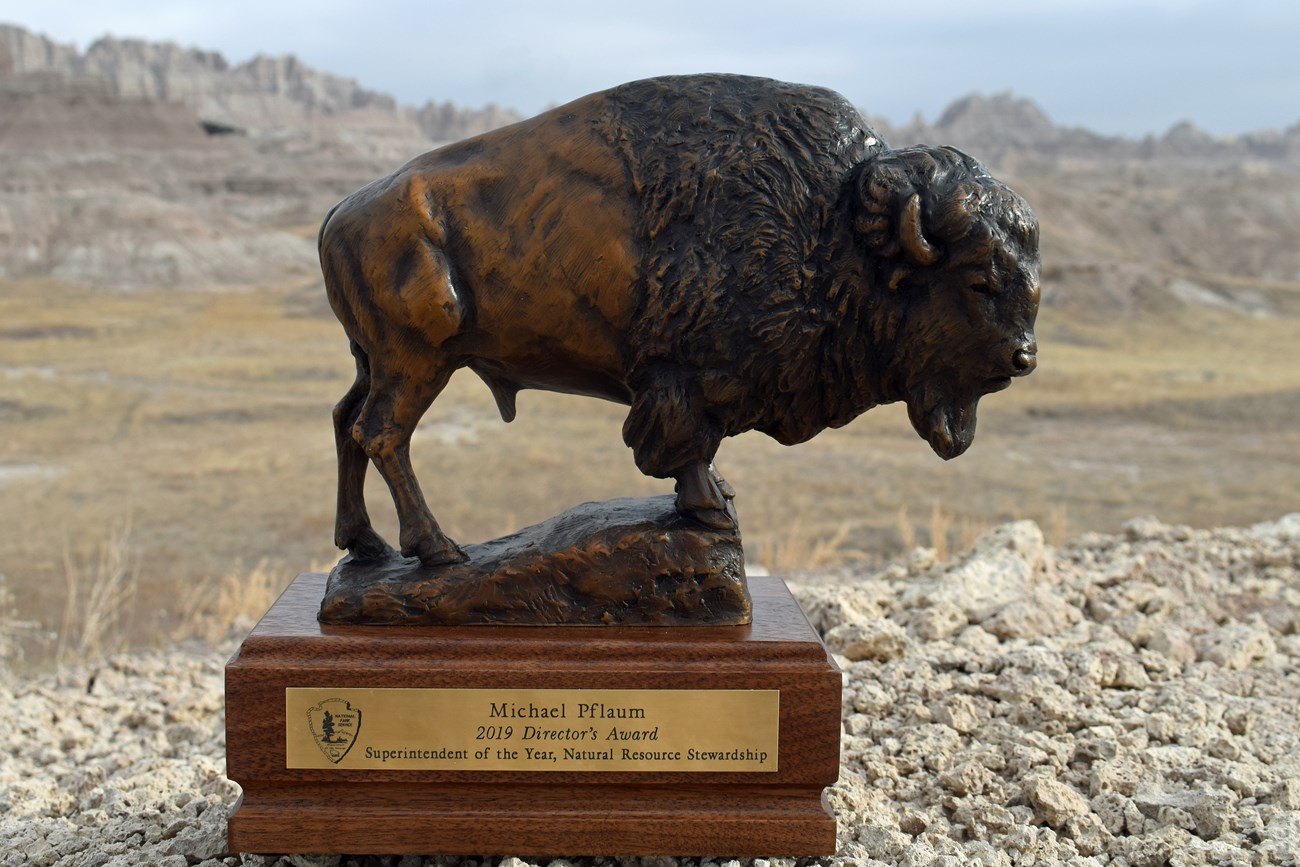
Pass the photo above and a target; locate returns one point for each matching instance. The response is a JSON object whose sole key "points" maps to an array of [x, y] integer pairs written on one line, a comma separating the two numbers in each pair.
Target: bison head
{"points": [[955, 258]]}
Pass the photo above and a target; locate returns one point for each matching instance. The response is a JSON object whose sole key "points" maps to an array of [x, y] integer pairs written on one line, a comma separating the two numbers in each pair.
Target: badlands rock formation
{"points": [[138, 164], [1005, 128], [141, 164], [260, 95], [1128, 701]]}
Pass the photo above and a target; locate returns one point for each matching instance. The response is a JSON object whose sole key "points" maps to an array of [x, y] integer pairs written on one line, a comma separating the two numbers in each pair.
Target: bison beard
{"points": [[758, 260], [947, 425]]}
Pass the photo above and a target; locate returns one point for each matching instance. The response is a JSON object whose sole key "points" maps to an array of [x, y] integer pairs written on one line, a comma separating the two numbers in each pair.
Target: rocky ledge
{"points": [[1127, 700], [625, 562]]}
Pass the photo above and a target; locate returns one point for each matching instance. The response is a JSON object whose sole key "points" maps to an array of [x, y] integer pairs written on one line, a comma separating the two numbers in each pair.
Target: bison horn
{"points": [[910, 236]]}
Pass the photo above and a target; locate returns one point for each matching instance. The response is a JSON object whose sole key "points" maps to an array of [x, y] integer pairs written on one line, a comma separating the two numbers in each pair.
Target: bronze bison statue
{"points": [[720, 253]]}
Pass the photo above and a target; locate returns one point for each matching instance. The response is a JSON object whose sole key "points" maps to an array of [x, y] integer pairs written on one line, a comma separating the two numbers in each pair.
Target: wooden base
{"points": [[356, 811]]}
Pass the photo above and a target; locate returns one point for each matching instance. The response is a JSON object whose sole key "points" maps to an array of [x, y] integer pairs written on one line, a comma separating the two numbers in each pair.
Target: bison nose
{"points": [[1025, 360]]}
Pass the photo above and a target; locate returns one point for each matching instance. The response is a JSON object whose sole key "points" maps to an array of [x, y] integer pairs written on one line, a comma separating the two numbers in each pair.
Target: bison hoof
{"points": [[724, 488], [714, 519], [435, 553], [367, 545]]}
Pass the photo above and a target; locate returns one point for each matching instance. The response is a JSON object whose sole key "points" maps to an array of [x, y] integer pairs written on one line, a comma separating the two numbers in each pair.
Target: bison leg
{"points": [[384, 428], [352, 528], [671, 437], [700, 498], [724, 486]]}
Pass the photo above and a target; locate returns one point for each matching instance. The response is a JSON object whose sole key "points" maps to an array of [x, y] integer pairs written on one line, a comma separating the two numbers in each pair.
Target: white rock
{"points": [[857, 724], [1281, 839], [1173, 641], [959, 748], [1211, 812], [872, 699], [1056, 802], [958, 712], [1130, 674], [1145, 527], [1284, 529], [883, 843], [1089, 833], [966, 779], [1236, 646], [1040, 613], [997, 571], [1154, 848], [877, 639], [937, 620]]}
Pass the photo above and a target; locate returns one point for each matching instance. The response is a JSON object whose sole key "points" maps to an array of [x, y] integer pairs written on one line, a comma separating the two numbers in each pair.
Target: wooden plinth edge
{"points": [[535, 819], [530, 813]]}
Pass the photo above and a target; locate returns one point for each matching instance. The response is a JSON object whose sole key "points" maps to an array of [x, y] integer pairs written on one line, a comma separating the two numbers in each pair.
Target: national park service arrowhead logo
{"points": [[334, 725]]}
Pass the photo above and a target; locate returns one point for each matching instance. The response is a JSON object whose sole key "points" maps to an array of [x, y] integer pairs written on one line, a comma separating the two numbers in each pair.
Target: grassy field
{"points": [[154, 444]]}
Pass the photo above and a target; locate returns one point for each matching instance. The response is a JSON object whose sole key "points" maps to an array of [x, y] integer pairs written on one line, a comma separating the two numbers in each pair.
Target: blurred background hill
{"points": [[140, 164], [168, 361], [205, 173]]}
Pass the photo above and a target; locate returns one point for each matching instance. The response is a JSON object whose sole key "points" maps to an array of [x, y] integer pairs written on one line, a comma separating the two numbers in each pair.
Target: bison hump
{"points": [[738, 179]]}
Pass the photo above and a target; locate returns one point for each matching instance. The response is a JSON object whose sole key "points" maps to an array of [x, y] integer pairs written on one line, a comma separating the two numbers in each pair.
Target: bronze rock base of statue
{"points": [[624, 562]]}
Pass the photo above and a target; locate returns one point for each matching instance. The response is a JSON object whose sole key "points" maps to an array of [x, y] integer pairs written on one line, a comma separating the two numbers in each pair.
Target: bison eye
{"points": [[982, 285]]}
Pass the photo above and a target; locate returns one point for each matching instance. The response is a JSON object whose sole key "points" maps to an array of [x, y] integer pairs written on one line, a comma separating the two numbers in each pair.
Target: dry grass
{"points": [[232, 603], [207, 419], [100, 590], [800, 547], [1057, 529], [906, 530], [945, 533], [14, 631]]}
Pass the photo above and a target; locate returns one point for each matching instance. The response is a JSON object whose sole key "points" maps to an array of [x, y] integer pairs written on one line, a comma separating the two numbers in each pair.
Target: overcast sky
{"points": [[1116, 66]]}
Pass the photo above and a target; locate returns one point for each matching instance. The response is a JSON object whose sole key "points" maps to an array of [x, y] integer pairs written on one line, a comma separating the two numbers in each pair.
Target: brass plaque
{"points": [[727, 730]]}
